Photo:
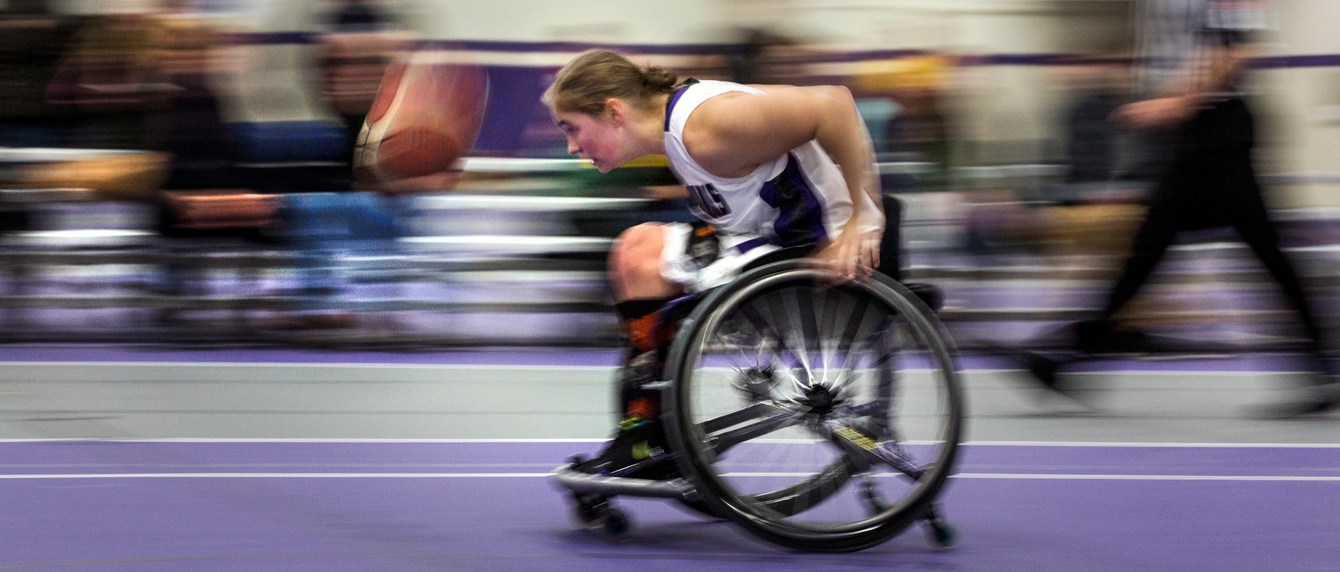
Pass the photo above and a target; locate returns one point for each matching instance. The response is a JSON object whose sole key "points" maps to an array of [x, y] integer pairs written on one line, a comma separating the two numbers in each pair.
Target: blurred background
{"points": [[179, 172]]}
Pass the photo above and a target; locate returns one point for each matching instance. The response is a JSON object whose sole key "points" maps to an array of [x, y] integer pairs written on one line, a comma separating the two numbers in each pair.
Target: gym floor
{"points": [[138, 458]]}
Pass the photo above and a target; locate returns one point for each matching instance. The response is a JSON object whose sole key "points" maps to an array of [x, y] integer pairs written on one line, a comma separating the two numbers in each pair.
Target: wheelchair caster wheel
{"points": [[591, 509], [942, 533], [616, 523], [873, 501]]}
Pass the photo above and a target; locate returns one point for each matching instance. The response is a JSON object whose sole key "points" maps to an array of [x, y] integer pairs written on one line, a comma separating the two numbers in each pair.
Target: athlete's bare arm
{"points": [[731, 134]]}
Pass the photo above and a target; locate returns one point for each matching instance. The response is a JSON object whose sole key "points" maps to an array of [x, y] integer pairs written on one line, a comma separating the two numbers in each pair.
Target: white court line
{"points": [[568, 367], [307, 365], [1081, 477], [383, 441], [999, 476], [1093, 444], [1100, 444], [277, 476]]}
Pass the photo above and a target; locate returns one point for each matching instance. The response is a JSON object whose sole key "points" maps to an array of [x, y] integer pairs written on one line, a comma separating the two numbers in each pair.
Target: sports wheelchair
{"points": [[819, 417]]}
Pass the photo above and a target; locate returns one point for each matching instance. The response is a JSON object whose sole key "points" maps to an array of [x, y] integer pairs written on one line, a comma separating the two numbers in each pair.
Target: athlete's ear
{"points": [[614, 110]]}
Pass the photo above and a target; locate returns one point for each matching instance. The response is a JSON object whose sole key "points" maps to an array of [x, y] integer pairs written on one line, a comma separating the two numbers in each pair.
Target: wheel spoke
{"points": [[854, 321], [804, 376], [810, 339], [765, 328], [854, 329], [742, 332]]}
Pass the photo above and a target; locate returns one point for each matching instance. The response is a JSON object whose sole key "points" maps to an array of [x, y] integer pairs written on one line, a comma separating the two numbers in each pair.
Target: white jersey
{"points": [[799, 198], [1170, 33]]}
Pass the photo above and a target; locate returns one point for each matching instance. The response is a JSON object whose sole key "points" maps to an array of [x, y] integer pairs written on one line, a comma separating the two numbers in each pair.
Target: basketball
{"points": [[425, 117]]}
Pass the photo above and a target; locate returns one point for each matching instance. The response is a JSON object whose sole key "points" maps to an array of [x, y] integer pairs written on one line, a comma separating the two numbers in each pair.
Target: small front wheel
{"points": [[590, 509], [617, 524], [942, 532]]}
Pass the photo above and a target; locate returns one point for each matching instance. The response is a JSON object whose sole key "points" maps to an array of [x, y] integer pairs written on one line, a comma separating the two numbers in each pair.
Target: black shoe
{"points": [[1045, 369], [1294, 409], [638, 451], [1324, 396], [1324, 405]]}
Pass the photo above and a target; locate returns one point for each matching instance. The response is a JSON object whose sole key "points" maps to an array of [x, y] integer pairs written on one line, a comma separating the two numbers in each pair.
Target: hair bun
{"points": [[658, 79]]}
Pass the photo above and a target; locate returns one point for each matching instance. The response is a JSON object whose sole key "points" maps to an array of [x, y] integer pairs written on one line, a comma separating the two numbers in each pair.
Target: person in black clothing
{"points": [[1198, 138], [356, 51]]}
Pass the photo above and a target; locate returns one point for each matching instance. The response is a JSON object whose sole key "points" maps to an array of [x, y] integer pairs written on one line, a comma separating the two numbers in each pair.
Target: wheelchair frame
{"points": [[593, 492]]}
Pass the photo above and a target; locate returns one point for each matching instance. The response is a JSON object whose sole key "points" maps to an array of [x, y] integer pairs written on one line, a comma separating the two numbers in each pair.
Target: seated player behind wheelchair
{"points": [[769, 169]]}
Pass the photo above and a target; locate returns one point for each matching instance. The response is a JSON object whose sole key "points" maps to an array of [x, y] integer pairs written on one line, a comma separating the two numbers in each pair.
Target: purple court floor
{"points": [[484, 506], [541, 356]]}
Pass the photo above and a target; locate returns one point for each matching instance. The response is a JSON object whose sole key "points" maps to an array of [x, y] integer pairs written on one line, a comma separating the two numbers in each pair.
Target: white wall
{"points": [[101, 6], [995, 104], [617, 21], [1302, 105]]}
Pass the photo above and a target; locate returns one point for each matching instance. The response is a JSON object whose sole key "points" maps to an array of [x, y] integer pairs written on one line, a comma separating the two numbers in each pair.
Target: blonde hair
{"points": [[595, 76]]}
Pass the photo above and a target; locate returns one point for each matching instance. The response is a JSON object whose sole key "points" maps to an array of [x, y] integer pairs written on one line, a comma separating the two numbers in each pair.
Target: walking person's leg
{"points": [[1258, 233], [1252, 223], [1322, 389], [1151, 241], [1156, 232]]}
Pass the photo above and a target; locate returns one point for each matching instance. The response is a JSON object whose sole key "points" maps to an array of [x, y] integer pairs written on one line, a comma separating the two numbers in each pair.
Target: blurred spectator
{"points": [[1095, 210], [1199, 136], [108, 76], [901, 101], [356, 49], [1091, 137], [190, 124], [760, 57], [200, 199], [32, 44], [770, 57], [329, 229]]}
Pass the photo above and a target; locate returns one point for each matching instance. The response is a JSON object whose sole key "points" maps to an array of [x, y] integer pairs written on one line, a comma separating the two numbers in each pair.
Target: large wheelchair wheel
{"points": [[819, 417]]}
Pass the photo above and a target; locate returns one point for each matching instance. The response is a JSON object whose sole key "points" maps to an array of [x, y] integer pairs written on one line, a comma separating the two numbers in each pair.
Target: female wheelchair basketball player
{"points": [[790, 367]]}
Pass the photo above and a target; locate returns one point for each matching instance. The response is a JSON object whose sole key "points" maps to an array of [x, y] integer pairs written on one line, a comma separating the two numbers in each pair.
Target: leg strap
{"points": [[640, 321]]}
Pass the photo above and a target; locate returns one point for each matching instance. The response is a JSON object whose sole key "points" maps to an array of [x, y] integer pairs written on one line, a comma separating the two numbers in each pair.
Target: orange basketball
{"points": [[425, 117]]}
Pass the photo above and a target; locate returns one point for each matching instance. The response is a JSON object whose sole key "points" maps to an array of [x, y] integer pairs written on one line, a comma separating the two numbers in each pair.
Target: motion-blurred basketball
{"points": [[426, 116]]}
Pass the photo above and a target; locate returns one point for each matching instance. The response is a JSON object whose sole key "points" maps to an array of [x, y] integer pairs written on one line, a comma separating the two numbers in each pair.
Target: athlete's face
{"points": [[603, 140]]}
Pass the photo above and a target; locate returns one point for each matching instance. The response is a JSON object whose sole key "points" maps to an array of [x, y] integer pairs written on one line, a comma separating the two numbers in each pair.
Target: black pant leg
{"points": [[1156, 233], [1258, 233], [1234, 176]]}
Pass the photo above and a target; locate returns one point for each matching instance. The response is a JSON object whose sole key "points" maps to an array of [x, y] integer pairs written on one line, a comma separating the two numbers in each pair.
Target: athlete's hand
{"points": [[854, 254], [1162, 113]]}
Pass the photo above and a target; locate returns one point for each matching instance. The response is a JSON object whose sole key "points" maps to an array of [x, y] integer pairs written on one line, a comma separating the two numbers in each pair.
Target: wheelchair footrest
{"points": [[582, 482]]}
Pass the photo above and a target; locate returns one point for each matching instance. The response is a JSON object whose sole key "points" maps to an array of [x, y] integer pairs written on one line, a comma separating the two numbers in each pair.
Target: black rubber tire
{"points": [[724, 501], [700, 508]]}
